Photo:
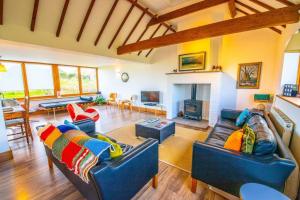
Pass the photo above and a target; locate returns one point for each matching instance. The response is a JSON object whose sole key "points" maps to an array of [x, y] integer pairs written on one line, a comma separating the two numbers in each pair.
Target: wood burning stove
{"points": [[193, 107]]}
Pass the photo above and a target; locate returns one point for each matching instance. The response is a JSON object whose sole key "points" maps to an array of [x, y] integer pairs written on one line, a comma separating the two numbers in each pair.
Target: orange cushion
{"points": [[234, 141]]}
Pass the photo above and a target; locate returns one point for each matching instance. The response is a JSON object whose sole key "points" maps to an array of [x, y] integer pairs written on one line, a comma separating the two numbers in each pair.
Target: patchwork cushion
{"points": [[248, 140]]}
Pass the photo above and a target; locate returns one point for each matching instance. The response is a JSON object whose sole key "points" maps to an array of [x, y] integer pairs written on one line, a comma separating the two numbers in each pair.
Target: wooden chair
{"points": [[21, 121], [112, 100]]}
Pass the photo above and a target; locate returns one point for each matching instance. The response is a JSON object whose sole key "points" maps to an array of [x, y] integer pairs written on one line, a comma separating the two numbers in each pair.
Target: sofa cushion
{"points": [[265, 142], [226, 123], [234, 141], [242, 117], [248, 140], [218, 136]]}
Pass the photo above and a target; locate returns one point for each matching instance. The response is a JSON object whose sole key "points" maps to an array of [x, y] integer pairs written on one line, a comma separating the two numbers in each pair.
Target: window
{"points": [[68, 78], [88, 80], [11, 82], [40, 80]]}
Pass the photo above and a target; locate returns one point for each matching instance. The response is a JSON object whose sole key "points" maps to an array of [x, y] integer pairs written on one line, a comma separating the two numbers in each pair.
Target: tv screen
{"points": [[150, 96]]}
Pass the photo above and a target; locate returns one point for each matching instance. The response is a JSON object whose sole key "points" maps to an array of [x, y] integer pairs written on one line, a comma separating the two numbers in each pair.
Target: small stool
{"points": [[250, 191]]}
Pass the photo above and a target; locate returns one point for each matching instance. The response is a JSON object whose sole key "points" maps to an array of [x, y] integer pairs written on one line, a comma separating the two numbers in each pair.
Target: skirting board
{"points": [[5, 156]]}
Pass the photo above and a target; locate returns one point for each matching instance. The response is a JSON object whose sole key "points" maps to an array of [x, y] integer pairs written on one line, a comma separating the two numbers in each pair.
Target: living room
{"points": [[162, 83]]}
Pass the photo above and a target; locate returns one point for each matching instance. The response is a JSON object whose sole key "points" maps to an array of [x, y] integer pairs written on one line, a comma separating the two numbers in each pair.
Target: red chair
{"points": [[77, 113]]}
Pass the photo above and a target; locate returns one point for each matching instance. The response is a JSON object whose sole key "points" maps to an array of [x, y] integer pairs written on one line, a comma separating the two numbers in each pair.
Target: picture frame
{"points": [[249, 75], [192, 61]]}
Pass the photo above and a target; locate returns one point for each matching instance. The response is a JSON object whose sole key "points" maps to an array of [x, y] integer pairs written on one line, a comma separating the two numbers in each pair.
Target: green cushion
{"points": [[248, 140]]}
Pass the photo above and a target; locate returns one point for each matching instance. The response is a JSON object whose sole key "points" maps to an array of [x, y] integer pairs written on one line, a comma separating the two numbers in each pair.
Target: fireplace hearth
{"points": [[193, 107]]}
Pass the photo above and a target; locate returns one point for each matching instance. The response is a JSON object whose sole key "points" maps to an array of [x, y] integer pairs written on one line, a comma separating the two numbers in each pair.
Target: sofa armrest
{"points": [[124, 177], [230, 114], [229, 170]]}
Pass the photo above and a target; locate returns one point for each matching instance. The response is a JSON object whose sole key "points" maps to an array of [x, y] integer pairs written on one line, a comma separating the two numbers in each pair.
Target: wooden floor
{"points": [[28, 176]]}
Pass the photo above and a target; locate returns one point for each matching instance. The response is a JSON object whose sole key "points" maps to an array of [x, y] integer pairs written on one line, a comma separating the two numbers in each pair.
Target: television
{"points": [[150, 96]]}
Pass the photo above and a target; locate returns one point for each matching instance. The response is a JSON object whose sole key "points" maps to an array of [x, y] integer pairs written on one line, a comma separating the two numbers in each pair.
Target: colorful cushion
{"points": [[242, 117], [234, 141], [248, 140], [99, 148], [115, 149], [66, 122]]}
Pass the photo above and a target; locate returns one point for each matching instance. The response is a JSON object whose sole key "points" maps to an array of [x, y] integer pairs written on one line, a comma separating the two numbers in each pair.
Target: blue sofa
{"points": [[229, 170], [120, 178]]}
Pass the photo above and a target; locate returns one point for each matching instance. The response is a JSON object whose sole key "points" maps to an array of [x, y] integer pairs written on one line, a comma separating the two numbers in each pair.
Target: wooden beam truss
{"points": [[34, 14], [186, 10], [286, 15], [1, 11], [135, 26], [166, 31], [62, 17], [122, 24], [85, 19], [232, 8], [152, 35], [106, 22], [256, 11]]}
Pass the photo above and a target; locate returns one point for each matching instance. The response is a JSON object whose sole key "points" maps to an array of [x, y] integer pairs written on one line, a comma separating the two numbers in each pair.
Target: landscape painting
{"points": [[249, 75], [192, 61]]}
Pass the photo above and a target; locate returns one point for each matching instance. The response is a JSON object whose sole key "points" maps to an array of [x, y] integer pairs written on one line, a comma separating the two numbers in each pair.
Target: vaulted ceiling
{"points": [[101, 26]]}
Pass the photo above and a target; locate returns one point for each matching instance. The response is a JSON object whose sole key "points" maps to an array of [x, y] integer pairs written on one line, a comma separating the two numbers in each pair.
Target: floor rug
{"points": [[175, 150]]}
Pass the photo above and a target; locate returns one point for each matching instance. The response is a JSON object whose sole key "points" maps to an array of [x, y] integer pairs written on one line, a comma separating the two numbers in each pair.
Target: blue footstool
{"points": [[255, 191]]}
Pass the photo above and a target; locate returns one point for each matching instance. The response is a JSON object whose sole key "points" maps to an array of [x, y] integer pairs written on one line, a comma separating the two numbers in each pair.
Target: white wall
{"points": [[290, 68], [141, 76]]}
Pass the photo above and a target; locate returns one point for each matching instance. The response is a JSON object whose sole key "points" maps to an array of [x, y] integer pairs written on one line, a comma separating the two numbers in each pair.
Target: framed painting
{"points": [[249, 75], [192, 61]]}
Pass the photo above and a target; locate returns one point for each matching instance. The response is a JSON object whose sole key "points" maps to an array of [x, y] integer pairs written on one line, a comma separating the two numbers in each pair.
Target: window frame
{"points": [[97, 86], [56, 81], [298, 76]]}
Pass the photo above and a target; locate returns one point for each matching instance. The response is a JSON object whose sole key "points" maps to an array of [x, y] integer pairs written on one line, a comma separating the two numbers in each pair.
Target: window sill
{"points": [[292, 100]]}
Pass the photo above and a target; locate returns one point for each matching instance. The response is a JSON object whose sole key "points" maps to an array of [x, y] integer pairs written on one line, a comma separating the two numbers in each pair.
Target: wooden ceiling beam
{"points": [[62, 17], [232, 8], [266, 6], [135, 26], [121, 25], [272, 28], [152, 35], [257, 11], [186, 10], [106, 22], [286, 15], [139, 6], [1, 11], [161, 35], [87, 15], [286, 2], [34, 14]]}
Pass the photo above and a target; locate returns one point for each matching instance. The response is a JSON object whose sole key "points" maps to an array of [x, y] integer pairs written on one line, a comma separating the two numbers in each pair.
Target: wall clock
{"points": [[124, 77]]}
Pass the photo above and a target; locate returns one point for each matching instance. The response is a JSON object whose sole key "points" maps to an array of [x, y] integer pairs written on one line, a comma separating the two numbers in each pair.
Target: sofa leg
{"points": [[50, 163], [155, 181], [194, 185]]}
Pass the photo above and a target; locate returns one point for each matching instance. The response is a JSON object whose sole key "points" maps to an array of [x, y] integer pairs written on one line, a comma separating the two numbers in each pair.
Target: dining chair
{"points": [[21, 121], [112, 100]]}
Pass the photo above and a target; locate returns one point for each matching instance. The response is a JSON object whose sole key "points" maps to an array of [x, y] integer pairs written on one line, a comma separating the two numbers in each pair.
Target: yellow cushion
{"points": [[234, 141]]}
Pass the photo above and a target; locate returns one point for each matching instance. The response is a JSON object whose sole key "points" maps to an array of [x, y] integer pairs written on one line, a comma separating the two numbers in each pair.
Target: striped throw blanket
{"points": [[74, 148]]}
